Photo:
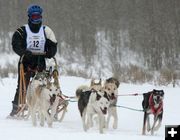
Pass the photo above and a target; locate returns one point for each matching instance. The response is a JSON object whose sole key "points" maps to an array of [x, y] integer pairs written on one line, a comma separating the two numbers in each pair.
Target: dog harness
{"points": [[35, 41], [154, 110]]}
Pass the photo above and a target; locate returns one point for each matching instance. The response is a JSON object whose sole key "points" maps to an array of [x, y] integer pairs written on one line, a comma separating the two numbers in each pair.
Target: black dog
{"points": [[152, 104]]}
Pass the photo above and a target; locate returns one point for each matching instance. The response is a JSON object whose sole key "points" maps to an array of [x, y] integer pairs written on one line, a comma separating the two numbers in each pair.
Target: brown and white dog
{"points": [[152, 104], [42, 97], [111, 88], [96, 84]]}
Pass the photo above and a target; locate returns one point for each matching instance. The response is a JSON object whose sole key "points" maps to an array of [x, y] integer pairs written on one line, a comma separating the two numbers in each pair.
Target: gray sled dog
{"points": [[42, 96]]}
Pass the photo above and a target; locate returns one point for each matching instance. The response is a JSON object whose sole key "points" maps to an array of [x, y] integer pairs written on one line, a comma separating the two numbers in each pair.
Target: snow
{"points": [[8, 59], [129, 125]]}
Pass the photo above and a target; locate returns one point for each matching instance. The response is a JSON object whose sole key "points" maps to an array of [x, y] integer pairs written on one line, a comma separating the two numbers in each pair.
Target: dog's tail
{"points": [[81, 89]]}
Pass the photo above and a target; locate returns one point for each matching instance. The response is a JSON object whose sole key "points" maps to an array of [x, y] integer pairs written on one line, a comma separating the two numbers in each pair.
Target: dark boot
{"points": [[14, 110], [15, 103]]}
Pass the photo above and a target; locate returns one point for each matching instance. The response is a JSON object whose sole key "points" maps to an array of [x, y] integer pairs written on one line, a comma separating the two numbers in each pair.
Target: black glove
{"points": [[28, 53], [49, 48], [48, 54], [49, 43]]}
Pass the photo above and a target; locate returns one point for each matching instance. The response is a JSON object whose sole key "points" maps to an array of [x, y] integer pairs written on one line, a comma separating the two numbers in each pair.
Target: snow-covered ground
{"points": [[129, 125]]}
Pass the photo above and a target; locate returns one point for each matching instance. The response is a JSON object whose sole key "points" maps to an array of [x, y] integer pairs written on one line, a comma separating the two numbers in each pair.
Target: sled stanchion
{"points": [[62, 107], [22, 91], [56, 74], [22, 88]]}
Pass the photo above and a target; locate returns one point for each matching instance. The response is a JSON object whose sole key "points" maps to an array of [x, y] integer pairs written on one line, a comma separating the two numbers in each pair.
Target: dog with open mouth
{"points": [[152, 104], [42, 96], [90, 103], [111, 88]]}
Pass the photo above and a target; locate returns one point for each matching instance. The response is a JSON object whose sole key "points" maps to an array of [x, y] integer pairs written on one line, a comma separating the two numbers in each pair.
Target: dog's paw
{"points": [[85, 128], [115, 126], [42, 124], [50, 124], [101, 131], [152, 132], [148, 129], [26, 119], [34, 124]]}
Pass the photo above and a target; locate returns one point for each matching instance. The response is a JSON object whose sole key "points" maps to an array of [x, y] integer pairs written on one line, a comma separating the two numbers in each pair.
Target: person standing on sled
{"points": [[30, 39]]}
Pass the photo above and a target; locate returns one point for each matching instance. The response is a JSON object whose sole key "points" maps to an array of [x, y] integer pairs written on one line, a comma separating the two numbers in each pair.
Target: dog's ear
{"points": [[154, 90], [98, 96], [144, 95], [106, 96], [36, 75], [48, 85], [162, 92], [93, 90], [100, 81], [117, 83], [92, 82]]}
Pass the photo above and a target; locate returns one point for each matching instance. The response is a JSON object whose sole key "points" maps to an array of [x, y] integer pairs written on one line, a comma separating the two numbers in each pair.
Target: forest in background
{"points": [[135, 40]]}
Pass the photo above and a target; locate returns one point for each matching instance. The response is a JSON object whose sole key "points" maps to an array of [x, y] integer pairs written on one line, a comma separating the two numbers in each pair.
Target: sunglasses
{"points": [[36, 16]]}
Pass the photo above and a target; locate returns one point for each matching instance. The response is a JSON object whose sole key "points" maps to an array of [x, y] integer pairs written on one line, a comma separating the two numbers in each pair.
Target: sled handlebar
{"points": [[44, 53], [33, 53]]}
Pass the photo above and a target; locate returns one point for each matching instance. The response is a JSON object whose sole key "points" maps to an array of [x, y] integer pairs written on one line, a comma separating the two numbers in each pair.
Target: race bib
{"points": [[35, 41]]}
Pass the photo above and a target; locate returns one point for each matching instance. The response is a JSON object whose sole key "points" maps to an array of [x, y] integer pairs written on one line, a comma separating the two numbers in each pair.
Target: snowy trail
{"points": [[129, 125]]}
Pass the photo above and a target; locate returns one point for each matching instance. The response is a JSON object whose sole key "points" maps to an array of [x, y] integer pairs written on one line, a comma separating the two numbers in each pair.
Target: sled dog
{"points": [[42, 96], [93, 102], [111, 88], [94, 85], [152, 104]]}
